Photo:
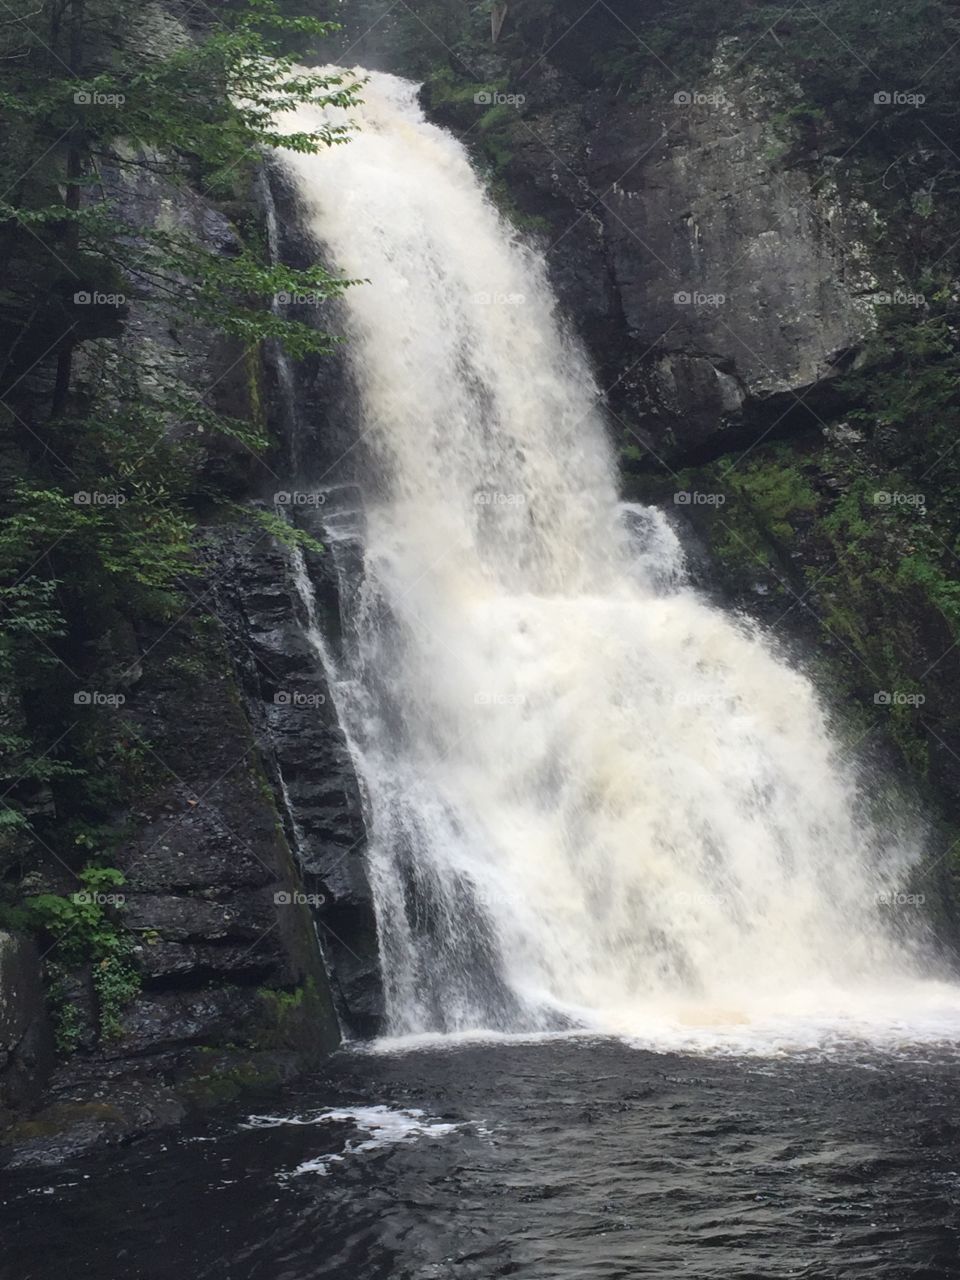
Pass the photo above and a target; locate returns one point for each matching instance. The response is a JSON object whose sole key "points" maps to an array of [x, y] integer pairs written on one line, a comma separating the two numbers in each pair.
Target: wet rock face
{"points": [[742, 284], [223, 938], [722, 254], [245, 892], [26, 1043], [205, 867], [718, 277], [71, 1128], [179, 353], [309, 761]]}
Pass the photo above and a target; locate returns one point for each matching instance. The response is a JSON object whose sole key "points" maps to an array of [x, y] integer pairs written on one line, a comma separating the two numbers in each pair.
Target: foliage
{"points": [[108, 451], [82, 926], [763, 500], [776, 489], [66, 1018], [288, 534], [116, 984], [907, 383]]}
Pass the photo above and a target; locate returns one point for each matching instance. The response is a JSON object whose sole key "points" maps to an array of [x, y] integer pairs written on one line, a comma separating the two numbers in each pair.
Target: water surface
{"points": [[558, 1159]]}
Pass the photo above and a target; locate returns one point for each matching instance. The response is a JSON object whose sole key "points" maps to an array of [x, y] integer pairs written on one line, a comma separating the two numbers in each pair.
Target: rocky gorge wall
{"points": [[231, 817]]}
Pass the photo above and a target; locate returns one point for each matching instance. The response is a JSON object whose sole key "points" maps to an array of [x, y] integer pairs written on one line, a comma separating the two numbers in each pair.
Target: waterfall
{"points": [[595, 800]]}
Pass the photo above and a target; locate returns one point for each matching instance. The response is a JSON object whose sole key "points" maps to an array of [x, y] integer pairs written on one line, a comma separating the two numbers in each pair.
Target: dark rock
{"points": [[721, 253], [720, 288], [192, 853], [180, 919], [162, 963], [178, 351], [69, 1129], [173, 1019], [26, 1041], [299, 731]]}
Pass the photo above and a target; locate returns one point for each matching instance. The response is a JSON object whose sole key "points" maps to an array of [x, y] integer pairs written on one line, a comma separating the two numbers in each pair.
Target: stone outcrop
{"points": [[745, 277], [298, 729], [225, 944], [26, 1041]]}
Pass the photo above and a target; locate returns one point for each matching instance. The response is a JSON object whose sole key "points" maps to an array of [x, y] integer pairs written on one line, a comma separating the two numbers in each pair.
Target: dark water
{"points": [[569, 1159]]}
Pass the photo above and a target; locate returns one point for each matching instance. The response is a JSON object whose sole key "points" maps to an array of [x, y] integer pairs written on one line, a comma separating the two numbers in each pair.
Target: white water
{"points": [[382, 1127], [596, 801]]}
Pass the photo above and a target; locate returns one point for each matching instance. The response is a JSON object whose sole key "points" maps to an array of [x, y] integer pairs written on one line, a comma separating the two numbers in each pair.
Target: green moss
{"points": [[116, 984], [763, 500], [190, 667], [229, 1078], [503, 199], [65, 1018], [925, 570], [867, 558], [60, 1118], [290, 1019], [776, 490], [445, 88]]}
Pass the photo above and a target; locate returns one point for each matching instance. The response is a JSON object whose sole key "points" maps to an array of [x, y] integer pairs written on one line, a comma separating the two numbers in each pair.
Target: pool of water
{"points": [[554, 1159]]}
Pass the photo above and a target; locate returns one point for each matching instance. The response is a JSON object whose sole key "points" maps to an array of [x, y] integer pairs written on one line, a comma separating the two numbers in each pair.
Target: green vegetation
{"points": [[65, 1017], [116, 983], [83, 925], [869, 560], [84, 930], [294, 1018], [106, 443], [765, 499], [134, 312]]}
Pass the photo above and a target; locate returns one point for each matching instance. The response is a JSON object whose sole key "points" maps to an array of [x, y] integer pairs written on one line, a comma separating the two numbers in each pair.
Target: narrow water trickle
{"points": [[595, 801]]}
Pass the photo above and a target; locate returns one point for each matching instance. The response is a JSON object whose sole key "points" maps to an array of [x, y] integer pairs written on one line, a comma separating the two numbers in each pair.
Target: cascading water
{"points": [[595, 800]]}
